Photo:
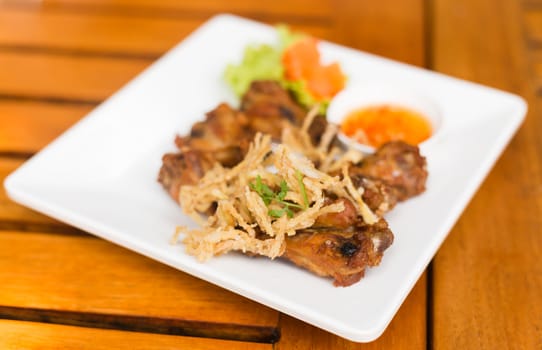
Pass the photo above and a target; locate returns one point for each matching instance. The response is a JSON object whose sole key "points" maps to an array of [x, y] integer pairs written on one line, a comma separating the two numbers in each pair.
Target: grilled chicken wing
{"points": [[398, 165], [269, 107], [341, 254], [339, 245]]}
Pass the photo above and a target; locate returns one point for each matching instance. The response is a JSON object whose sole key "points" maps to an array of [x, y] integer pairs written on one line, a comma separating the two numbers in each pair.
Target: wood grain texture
{"points": [[17, 335], [406, 331], [536, 71], [297, 9], [27, 126], [107, 34], [391, 28], [532, 20], [88, 79], [91, 32], [487, 275], [83, 275]]}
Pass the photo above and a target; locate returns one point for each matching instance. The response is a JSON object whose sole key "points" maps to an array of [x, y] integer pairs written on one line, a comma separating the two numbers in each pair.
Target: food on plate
{"points": [[376, 125], [302, 63], [286, 188], [295, 63], [341, 254]]}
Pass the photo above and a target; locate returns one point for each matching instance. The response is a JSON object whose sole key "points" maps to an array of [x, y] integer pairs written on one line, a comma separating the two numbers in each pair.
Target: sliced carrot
{"points": [[301, 58], [302, 62], [326, 81]]}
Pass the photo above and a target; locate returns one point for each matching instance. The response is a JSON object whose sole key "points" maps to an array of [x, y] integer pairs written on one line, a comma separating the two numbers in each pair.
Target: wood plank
{"points": [[295, 9], [536, 70], [28, 126], [92, 32], [87, 79], [487, 275], [113, 34], [47, 277], [391, 28], [13, 215], [532, 20], [406, 331], [18, 335]]}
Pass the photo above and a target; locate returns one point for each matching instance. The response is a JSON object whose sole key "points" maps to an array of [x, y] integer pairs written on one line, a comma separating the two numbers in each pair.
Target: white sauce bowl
{"points": [[355, 97]]}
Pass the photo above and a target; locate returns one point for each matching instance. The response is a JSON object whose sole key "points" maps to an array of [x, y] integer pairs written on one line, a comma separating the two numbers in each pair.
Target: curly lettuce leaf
{"points": [[264, 62], [259, 62]]}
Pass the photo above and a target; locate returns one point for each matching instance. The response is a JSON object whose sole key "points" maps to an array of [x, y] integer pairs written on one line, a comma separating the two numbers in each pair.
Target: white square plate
{"points": [[101, 174]]}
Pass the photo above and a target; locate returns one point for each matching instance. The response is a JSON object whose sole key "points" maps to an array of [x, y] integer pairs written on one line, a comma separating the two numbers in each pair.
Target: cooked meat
{"points": [[317, 128], [398, 165], [339, 245], [341, 254], [344, 219], [223, 137], [269, 107], [180, 169], [378, 195], [225, 132]]}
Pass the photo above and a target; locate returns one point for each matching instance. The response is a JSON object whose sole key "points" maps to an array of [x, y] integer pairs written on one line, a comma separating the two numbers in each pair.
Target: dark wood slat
{"points": [[17, 335], [158, 325], [487, 275]]}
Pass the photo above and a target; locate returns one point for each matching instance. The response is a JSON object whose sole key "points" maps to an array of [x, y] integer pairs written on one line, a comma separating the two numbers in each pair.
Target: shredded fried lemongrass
{"points": [[328, 157], [242, 219]]}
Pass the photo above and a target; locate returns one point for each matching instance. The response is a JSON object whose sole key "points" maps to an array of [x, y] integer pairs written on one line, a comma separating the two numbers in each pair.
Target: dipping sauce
{"points": [[379, 124]]}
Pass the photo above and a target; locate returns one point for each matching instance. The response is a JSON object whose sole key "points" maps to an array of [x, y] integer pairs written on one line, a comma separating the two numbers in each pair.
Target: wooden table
{"points": [[62, 288]]}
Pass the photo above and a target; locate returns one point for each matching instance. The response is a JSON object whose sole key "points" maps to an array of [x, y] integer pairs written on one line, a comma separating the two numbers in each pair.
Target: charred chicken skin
{"points": [[341, 254], [339, 245]]}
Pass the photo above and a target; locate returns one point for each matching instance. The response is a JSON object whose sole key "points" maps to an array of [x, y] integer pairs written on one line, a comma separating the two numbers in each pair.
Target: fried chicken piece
{"points": [[344, 219], [180, 169], [397, 165], [269, 107], [225, 134], [339, 245], [223, 137], [379, 196], [341, 254]]}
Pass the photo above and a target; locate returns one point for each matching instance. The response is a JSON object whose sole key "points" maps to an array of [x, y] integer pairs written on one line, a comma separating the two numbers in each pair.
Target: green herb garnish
{"points": [[299, 177], [268, 196]]}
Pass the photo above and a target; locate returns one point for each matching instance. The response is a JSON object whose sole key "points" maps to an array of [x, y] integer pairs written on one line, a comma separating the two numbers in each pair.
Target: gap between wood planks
{"points": [[428, 16], [156, 325]]}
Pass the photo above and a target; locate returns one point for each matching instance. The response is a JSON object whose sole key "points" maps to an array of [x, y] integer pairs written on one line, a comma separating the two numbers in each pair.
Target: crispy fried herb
{"points": [[268, 196]]}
